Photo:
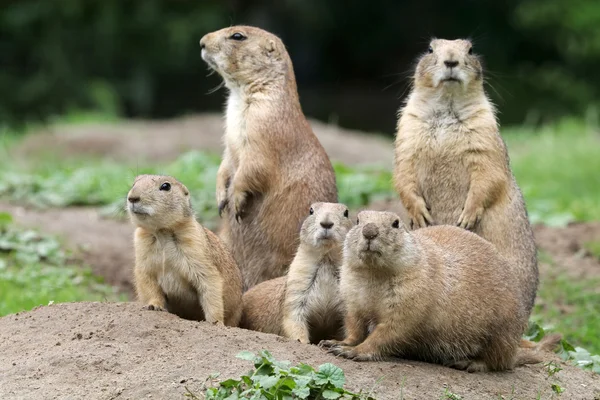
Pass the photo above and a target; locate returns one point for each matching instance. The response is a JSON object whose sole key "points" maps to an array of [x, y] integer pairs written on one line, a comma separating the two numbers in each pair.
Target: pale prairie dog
{"points": [[272, 160], [439, 294], [452, 165], [305, 305], [180, 266]]}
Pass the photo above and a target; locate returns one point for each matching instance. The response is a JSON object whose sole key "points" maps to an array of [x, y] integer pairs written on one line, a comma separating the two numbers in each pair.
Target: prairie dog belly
{"points": [[182, 298], [444, 183], [325, 307]]}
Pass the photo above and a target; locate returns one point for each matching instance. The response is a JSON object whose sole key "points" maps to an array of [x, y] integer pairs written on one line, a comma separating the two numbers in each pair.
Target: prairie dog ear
{"points": [[271, 46]]}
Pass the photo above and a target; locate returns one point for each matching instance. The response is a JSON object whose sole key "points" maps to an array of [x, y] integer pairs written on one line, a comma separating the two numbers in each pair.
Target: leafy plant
{"points": [[272, 379], [576, 355], [552, 368], [448, 395], [556, 388]]}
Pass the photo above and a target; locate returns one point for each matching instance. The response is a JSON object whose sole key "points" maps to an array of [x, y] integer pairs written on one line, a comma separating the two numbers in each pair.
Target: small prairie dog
{"points": [[451, 164], [305, 305], [272, 159], [180, 266], [440, 294]]}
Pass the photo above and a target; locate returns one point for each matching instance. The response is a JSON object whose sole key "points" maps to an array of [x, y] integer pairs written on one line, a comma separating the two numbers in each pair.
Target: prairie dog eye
{"points": [[346, 214], [237, 36], [311, 211], [396, 224], [165, 186], [471, 50], [357, 221], [430, 50]]}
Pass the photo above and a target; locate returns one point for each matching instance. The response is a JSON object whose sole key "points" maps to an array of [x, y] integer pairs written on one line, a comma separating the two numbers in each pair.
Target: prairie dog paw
{"points": [[419, 214], [469, 218]]}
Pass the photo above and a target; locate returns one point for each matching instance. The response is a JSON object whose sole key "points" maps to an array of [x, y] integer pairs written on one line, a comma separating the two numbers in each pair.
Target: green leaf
{"points": [[5, 219], [267, 382], [302, 369], [288, 382], [566, 345], [233, 396], [267, 356], [557, 389], [246, 355], [534, 332], [301, 392], [229, 383], [330, 373], [330, 394]]}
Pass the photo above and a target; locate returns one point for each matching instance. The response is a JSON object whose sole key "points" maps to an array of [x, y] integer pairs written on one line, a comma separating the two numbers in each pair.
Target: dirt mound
{"points": [[163, 141], [118, 350]]}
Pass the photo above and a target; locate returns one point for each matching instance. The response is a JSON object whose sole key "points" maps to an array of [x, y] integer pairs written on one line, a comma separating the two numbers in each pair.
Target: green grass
{"points": [[35, 270], [558, 169], [571, 308]]}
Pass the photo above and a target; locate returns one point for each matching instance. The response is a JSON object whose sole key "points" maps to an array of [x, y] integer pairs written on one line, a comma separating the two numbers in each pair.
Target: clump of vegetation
{"points": [[576, 355], [35, 270], [273, 380]]}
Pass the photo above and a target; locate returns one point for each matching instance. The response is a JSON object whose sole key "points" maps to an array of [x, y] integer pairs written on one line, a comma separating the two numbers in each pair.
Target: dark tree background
{"points": [[353, 59]]}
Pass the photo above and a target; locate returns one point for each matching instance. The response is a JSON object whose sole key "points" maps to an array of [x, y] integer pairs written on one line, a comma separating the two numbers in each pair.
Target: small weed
{"points": [[552, 368], [556, 388], [272, 379], [448, 395]]}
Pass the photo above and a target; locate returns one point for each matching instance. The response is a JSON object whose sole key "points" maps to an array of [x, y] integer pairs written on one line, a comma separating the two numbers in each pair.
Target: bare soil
{"points": [[117, 350]]}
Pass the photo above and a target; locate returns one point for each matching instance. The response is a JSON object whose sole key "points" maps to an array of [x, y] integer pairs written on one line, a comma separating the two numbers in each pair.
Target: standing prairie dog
{"points": [[272, 159], [179, 265], [452, 166], [305, 305], [440, 294]]}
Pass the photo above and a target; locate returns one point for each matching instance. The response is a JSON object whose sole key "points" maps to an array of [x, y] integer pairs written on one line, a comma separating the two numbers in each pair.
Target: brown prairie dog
{"points": [[451, 164], [305, 305], [440, 294], [272, 159], [180, 266]]}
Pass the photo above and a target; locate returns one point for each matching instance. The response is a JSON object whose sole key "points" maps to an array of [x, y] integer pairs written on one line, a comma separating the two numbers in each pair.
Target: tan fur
{"points": [[452, 166], [305, 305], [273, 165], [179, 265], [263, 306], [532, 352], [439, 294]]}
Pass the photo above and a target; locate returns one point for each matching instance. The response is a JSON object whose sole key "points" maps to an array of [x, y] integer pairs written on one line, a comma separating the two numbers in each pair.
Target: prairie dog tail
{"points": [[532, 353]]}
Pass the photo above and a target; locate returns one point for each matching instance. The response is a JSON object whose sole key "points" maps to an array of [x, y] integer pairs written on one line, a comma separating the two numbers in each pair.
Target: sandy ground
{"points": [[118, 351], [108, 351]]}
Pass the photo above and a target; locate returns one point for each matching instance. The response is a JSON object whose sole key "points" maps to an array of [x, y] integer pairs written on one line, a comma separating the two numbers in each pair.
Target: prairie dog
{"points": [[180, 266], [272, 160], [305, 305], [452, 166], [439, 294]]}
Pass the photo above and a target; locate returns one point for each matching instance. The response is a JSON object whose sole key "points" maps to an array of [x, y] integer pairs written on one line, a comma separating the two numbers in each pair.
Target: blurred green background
{"points": [[78, 64], [142, 59]]}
